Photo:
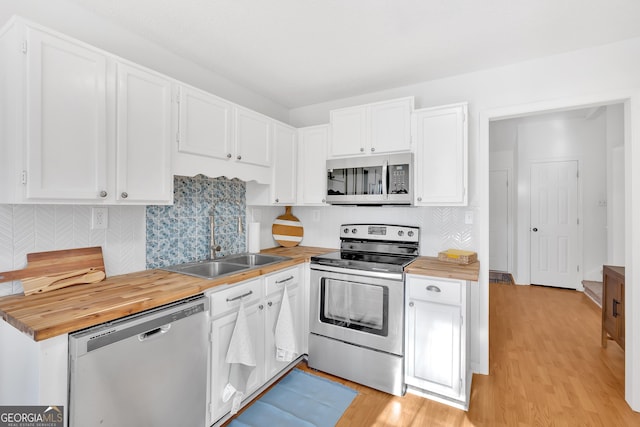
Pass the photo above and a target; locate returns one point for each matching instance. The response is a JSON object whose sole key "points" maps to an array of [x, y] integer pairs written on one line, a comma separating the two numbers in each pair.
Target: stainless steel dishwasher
{"points": [[148, 369]]}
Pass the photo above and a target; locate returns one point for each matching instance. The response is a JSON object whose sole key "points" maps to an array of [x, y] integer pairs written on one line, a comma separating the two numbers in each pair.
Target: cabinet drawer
{"points": [[228, 300], [436, 290], [276, 282]]}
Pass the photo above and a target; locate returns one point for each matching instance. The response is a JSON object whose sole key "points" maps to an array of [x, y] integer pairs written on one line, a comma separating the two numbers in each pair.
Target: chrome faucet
{"points": [[213, 248]]}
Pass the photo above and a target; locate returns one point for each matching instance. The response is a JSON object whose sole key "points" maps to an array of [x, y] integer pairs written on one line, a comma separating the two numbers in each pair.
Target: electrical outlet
{"points": [[99, 218], [468, 217]]}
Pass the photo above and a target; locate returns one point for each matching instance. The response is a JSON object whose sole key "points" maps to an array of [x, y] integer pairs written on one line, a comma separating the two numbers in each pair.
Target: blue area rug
{"points": [[298, 400]]}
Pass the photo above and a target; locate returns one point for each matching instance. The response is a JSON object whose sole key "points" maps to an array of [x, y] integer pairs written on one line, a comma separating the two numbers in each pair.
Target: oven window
{"points": [[353, 305]]}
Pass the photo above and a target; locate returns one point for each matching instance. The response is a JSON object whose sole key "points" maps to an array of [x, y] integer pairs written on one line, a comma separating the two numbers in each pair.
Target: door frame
{"points": [[510, 219], [579, 253], [630, 97]]}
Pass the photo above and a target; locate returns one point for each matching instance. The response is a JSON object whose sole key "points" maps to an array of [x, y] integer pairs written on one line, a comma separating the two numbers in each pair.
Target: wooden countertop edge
{"points": [[190, 286], [431, 266]]}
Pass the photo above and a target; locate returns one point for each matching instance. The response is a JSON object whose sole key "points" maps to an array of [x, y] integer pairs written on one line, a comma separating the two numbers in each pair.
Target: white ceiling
{"points": [[301, 52]]}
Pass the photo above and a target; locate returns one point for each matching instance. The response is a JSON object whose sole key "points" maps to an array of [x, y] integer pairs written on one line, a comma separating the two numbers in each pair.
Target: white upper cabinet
{"points": [[253, 137], [219, 138], [284, 165], [143, 137], [205, 124], [65, 138], [441, 156], [312, 164], [84, 126], [380, 127]]}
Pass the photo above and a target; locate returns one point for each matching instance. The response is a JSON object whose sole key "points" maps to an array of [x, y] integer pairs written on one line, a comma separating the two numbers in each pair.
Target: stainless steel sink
{"points": [[254, 260], [211, 269], [207, 269]]}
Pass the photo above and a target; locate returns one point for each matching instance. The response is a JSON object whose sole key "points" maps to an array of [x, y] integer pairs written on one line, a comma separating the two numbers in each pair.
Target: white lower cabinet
{"points": [[224, 311], [437, 339], [262, 299], [274, 287]]}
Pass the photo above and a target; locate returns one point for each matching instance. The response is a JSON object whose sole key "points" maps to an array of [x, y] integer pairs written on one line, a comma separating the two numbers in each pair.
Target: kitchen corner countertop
{"points": [[431, 266], [70, 309]]}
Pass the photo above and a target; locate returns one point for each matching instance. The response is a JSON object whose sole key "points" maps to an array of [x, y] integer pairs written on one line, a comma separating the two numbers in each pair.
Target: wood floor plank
{"points": [[546, 369]]}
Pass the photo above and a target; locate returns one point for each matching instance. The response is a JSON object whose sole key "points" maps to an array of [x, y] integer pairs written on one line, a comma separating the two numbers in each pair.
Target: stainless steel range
{"points": [[357, 305]]}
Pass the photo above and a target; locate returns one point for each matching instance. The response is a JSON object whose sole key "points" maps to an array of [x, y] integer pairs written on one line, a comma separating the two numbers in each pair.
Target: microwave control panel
{"points": [[398, 179]]}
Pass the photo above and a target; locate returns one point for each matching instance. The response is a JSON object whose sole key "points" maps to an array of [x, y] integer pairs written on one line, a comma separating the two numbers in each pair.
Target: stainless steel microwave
{"points": [[371, 180]]}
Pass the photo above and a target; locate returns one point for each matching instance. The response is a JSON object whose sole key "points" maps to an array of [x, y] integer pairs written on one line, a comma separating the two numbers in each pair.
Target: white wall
{"points": [[561, 137], [69, 18], [598, 75]]}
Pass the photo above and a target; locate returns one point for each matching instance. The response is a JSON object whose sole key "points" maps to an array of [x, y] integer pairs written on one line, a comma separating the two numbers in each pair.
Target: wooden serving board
{"points": [[287, 230], [55, 269]]}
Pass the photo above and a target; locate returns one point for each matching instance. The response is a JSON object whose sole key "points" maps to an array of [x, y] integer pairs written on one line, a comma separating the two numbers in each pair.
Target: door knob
{"points": [[534, 229]]}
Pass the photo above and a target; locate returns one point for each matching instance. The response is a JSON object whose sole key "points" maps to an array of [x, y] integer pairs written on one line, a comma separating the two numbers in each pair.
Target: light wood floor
{"points": [[546, 369]]}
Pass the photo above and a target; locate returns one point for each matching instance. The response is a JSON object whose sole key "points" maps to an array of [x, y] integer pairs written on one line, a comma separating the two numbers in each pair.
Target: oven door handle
{"points": [[353, 272]]}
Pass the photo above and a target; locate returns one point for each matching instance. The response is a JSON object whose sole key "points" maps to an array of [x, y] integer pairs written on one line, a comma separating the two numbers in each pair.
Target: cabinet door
{"points": [[433, 347], [143, 136], [312, 164], [221, 332], [391, 126], [274, 304], [284, 164], [204, 124], [66, 142], [253, 137], [441, 160], [348, 131]]}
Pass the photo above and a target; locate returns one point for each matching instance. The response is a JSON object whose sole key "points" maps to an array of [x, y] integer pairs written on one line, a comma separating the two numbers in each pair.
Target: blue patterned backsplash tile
{"points": [[180, 233]]}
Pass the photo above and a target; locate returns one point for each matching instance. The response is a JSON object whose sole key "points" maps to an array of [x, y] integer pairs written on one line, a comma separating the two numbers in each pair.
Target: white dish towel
{"points": [[285, 335], [242, 358]]}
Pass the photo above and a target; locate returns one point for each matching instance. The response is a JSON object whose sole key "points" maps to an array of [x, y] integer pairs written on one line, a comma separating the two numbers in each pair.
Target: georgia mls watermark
{"points": [[31, 416]]}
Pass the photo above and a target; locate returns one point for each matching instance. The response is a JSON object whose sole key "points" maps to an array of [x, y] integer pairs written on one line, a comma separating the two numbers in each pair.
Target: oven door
{"points": [[357, 307]]}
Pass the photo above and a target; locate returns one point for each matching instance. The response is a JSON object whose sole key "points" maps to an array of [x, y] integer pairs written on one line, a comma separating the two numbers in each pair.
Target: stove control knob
{"points": [[354, 230], [346, 231], [400, 233], [410, 234]]}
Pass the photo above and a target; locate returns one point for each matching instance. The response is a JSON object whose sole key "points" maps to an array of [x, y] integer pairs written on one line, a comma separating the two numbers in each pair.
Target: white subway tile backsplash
{"points": [[36, 228]]}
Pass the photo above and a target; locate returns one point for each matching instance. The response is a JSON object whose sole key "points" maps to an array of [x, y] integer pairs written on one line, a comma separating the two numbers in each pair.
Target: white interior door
{"points": [[554, 224], [499, 220]]}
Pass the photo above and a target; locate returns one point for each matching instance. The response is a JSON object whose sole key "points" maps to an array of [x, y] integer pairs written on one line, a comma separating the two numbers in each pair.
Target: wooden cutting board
{"points": [[55, 269], [287, 230]]}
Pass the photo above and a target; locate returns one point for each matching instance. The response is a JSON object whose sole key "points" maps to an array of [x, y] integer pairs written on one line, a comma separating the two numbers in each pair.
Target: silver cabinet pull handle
{"points": [[269, 303], [103, 194], [239, 157], [361, 149], [373, 149], [124, 195], [260, 307], [419, 199], [284, 280], [411, 304], [228, 155], [239, 296], [433, 288], [277, 200]]}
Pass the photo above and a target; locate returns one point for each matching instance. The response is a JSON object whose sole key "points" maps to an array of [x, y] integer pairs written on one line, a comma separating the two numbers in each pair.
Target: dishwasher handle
{"points": [[157, 332]]}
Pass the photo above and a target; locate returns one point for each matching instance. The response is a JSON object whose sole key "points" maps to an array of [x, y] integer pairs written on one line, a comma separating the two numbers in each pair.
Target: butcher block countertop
{"points": [[431, 266], [65, 310]]}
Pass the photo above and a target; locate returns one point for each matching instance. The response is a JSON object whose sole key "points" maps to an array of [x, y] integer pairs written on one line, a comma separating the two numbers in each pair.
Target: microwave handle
{"points": [[385, 179]]}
